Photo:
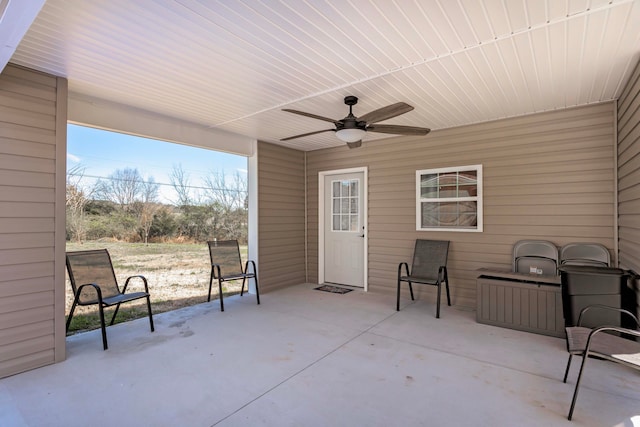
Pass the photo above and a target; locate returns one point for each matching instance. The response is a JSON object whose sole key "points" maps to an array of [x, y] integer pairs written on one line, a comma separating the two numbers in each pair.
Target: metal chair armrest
{"points": [[633, 332], [612, 352], [246, 267], [442, 273], [606, 307], [215, 270], [93, 285], [406, 267], [137, 276]]}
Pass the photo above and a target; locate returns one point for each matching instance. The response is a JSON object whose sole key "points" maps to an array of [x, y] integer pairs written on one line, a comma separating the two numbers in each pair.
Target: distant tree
{"points": [[76, 201], [147, 206], [227, 196], [180, 181], [234, 225], [229, 191], [164, 223], [122, 187], [196, 222], [219, 211], [116, 225], [190, 218], [136, 198], [100, 207]]}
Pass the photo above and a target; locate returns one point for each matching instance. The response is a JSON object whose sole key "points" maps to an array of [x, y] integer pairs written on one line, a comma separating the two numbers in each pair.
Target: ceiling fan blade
{"points": [[385, 113], [398, 130], [313, 116], [307, 134]]}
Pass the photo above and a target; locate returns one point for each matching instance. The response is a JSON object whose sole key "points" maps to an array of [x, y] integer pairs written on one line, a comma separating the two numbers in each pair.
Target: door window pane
{"points": [[344, 222], [345, 188], [335, 188], [344, 205], [353, 209]]}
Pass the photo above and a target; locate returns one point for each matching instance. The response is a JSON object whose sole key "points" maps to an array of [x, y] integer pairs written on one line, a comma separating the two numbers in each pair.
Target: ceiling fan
{"points": [[352, 129]]}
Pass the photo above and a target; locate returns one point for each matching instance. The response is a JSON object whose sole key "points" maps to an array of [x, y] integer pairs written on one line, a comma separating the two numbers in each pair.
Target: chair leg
{"points": [[220, 291], [150, 314], [398, 296], [566, 371], [210, 284], [446, 284], [257, 290], [103, 326], [438, 301], [575, 393], [113, 318], [411, 291], [73, 307]]}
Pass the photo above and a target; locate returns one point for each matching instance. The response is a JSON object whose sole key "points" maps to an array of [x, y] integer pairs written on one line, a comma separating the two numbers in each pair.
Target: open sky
{"points": [[100, 153]]}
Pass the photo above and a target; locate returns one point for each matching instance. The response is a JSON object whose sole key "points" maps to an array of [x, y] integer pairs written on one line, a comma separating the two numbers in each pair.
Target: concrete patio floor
{"points": [[310, 358]]}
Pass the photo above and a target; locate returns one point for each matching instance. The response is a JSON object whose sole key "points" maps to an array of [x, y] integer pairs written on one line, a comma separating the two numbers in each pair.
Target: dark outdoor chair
{"points": [[600, 342], [429, 267], [226, 266], [535, 257], [593, 254], [94, 283]]}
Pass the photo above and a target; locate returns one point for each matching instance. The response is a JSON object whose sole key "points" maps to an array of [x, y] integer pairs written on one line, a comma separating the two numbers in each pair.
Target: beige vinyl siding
{"points": [[546, 176], [629, 173], [629, 178], [281, 224], [30, 134]]}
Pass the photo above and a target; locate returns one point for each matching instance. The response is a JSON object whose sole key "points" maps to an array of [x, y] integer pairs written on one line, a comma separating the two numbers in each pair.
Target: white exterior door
{"points": [[344, 228]]}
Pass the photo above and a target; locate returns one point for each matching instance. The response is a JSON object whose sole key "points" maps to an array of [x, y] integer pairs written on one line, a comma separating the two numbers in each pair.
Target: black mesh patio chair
{"points": [[613, 343], [429, 267], [94, 283], [226, 266]]}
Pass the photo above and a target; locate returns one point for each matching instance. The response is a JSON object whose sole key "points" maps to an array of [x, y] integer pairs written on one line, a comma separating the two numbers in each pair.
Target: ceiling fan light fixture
{"points": [[352, 129], [350, 135]]}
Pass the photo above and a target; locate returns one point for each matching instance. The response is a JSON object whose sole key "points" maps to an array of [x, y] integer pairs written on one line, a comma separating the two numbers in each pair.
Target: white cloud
{"points": [[242, 170], [72, 158]]}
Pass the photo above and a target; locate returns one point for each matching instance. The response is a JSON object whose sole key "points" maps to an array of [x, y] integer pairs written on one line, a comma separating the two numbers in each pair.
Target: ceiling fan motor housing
{"points": [[351, 121], [351, 100]]}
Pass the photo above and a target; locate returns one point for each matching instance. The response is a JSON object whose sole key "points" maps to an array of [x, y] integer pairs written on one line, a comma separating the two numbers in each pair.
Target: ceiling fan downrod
{"points": [[351, 122]]}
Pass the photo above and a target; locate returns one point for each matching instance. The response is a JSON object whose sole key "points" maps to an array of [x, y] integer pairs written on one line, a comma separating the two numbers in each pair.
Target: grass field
{"points": [[178, 276]]}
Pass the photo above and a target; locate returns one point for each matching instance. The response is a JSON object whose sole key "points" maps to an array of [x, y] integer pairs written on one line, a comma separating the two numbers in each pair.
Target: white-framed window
{"points": [[449, 199]]}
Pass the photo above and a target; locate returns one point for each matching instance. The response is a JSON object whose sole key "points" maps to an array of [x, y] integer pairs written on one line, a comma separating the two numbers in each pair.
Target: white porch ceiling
{"points": [[234, 64]]}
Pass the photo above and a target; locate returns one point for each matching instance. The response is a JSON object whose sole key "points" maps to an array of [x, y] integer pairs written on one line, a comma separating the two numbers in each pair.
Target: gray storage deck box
{"points": [[526, 302]]}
